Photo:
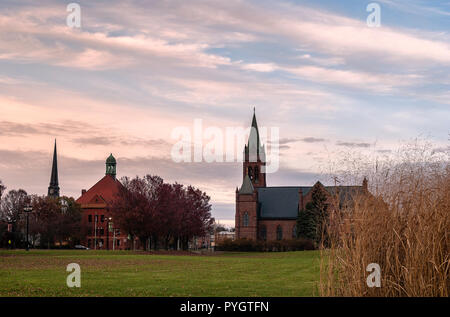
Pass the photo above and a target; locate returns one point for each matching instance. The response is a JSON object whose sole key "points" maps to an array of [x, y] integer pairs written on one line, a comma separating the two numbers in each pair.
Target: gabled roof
{"points": [[105, 189], [279, 202], [282, 202]]}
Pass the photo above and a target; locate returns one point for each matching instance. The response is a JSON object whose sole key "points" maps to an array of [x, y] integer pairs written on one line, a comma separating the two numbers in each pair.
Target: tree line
{"points": [[53, 221], [159, 214]]}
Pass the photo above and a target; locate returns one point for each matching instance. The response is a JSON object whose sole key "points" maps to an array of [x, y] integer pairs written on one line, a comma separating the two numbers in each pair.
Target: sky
{"points": [[136, 70]]}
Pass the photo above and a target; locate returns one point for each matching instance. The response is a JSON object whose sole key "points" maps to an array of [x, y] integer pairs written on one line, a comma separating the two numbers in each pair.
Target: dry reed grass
{"points": [[402, 224]]}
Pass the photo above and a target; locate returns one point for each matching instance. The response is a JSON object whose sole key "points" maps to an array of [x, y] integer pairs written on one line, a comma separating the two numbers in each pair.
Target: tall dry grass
{"points": [[402, 224]]}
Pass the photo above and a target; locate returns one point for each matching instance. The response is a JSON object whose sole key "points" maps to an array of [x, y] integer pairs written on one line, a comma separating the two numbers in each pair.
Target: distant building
{"points": [[270, 213], [223, 235], [95, 203]]}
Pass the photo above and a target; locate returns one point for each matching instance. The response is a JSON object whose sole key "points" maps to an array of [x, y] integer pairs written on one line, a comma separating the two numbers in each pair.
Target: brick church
{"points": [[270, 213]]}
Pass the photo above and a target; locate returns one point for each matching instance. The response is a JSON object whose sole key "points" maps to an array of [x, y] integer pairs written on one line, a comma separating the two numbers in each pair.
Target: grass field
{"points": [[123, 273]]}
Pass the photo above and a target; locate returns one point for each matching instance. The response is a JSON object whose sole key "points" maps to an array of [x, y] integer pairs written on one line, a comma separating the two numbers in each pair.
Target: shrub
{"points": [[245, 245]]}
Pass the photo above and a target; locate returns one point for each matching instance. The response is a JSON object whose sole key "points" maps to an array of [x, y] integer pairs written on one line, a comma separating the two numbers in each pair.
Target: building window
{"points": [[246, 220], [279, 233], [102, 231], [256, 173], [102, 218], [118, 243], [90, 218], [294, 232], [263, 233], [89, 243]]}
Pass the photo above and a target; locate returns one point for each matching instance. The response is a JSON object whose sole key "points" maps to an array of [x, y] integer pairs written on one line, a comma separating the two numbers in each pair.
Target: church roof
{"points": [[247, 186], [279, 202], [106, 189], [282, 202]]}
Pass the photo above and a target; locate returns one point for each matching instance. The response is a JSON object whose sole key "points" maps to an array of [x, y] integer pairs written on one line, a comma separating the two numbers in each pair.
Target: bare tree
{"points": [[2, 188], [12, 205]]}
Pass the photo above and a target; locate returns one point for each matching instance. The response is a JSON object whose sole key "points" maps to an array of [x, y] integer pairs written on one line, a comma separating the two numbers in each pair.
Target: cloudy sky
{"points": [[137, 70]]}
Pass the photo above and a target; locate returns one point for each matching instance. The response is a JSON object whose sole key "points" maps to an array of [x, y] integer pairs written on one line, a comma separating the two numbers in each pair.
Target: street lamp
{"points": [[108, 230], [27, 210]]}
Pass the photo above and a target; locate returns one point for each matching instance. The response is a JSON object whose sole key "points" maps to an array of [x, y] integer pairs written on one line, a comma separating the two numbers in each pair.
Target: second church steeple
{"points": [[53, 189]]}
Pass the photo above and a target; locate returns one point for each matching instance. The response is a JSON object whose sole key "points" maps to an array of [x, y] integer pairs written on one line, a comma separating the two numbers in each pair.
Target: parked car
{"points": [[81, 247]]}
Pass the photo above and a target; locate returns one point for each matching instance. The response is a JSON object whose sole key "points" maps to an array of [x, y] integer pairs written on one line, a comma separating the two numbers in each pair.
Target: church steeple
{"points": [[254, 156], [53, 189], [111, 166]]}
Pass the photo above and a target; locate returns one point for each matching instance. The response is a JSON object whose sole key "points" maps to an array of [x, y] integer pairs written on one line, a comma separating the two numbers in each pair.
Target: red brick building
{"points": [[270, 213], [95, 202]]}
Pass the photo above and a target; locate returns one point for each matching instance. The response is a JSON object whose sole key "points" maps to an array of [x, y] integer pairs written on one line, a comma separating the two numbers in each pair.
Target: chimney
{"points": [[83, 191]]}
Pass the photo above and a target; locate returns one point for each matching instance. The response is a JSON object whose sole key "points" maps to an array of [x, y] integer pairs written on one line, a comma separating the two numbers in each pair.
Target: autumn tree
{"points": [[133, 208], [159, 213], [56, 219]]}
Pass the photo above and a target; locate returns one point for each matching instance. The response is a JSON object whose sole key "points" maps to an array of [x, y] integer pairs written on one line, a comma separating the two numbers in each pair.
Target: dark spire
{"points": [[53, 189]]}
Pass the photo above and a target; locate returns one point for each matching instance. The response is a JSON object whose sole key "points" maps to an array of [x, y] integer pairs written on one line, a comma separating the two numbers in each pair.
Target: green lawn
{"points": [[124, 273]]}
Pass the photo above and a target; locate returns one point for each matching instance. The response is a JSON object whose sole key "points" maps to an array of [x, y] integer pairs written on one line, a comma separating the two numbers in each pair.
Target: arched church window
{"points": [[256, 173], [294, 232], [246, 219], [263, 233], [279, 233], [250, 172]]}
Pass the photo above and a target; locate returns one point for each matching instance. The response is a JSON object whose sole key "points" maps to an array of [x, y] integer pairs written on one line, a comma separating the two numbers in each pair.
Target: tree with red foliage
{"points": [[161, 213], [133, 208]]}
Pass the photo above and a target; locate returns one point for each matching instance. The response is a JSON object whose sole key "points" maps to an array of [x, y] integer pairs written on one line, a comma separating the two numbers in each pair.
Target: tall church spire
{"points": [[53, 189], [254, 157]]}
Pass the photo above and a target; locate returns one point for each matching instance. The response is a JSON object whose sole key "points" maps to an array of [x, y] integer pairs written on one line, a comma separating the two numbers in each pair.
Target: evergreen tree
{"points": [[312, 221], [307, 223]]}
